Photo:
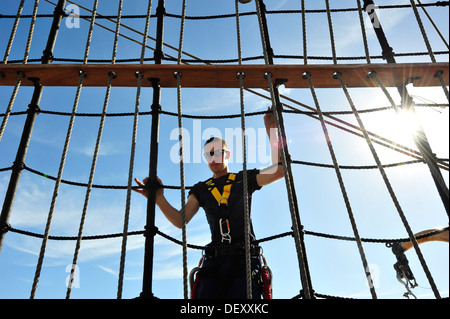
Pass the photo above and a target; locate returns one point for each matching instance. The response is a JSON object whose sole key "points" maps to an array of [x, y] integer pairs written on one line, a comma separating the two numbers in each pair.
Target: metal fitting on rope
{"points": [[112, 74], [177, 75], [306, 75], [337, 75], [83, 74], [372, 75], [439, 74]]}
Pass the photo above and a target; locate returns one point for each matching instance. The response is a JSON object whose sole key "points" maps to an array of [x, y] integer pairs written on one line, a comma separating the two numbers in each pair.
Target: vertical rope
{"points": [[290, 191], [247, 249], [444, 86], [330, 25], [116, 37], [434, 25], [293, 205], [422, 30], [112, 76], [13, 32], [56, 188], [62, 164], [343, 188], [261, 28], [183, 21], [363, 30], [248, 262], [11, 103], [178, 76], [140, 77], [338, 76], [30, 34], [305, 45], [91, 30], [238, 31], [419, 133], [183, 187]]}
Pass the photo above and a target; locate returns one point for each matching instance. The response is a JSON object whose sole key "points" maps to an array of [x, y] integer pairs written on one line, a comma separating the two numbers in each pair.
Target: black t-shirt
{"points": [[235, 211]]}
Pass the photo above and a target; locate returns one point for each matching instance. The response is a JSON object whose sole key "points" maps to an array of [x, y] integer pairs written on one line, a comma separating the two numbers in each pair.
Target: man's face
{"points": [[216, 156]]}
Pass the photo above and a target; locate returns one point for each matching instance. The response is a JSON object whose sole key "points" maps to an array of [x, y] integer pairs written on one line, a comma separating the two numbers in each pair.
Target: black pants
{"points": [[224, 277]]}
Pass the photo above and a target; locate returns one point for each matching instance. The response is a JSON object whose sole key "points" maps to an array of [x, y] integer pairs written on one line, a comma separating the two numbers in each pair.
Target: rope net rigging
{"points": [[107, 91]]}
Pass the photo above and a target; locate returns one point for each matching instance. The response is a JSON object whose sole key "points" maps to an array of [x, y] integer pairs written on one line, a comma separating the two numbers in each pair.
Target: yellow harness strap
{"points": [[221, 198]]}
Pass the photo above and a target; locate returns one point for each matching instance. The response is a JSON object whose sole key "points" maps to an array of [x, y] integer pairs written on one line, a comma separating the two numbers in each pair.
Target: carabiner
{"points": [[225, 235]]}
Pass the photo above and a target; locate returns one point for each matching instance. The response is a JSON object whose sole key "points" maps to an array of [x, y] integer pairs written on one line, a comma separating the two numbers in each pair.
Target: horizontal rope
{"points": [[241, 14], [230, 116], [198, 247], [118, 187], [235, 60]]}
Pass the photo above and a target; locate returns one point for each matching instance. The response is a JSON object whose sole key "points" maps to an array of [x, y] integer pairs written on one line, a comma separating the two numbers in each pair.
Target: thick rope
{"points": [[261, 28], [284, 160], [183, 187], [183, 19], [91, 178], [129, 188], [434, 25], [13, 32], [289, 187], [61, 166], [31, 32], [140, 77], [57, 186], [330, 26], [417, 135], [422, 30], [96, 152], [363, 30], [11, 103], [389, 187], [240, 76], [304, 34], [343, 189], [248, 264], [444, 86], [181, 153], [91, 31], [238, 32]]}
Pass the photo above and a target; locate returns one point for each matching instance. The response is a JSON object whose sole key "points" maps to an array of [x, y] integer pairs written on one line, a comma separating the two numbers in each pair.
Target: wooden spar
{"points": [[225, 76], [443, 236]]}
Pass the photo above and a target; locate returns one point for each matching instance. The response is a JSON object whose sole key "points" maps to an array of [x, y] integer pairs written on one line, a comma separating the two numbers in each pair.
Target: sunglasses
{"points": [[216, 153]]}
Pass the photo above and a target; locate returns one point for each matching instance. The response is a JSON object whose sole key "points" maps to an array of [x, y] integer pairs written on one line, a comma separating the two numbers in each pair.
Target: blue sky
{"points": [[335, 266]]}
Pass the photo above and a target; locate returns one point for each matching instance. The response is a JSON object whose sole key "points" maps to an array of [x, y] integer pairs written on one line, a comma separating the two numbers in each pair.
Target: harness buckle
{"points": [[219, 202]]}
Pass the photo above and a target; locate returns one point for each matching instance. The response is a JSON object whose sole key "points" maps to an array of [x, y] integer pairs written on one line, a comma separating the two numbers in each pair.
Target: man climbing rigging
{"points": [[223, 274]]}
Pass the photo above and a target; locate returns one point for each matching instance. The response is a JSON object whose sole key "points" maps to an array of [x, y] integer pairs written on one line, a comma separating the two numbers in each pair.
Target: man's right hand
{"points": [[144, 190]]}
